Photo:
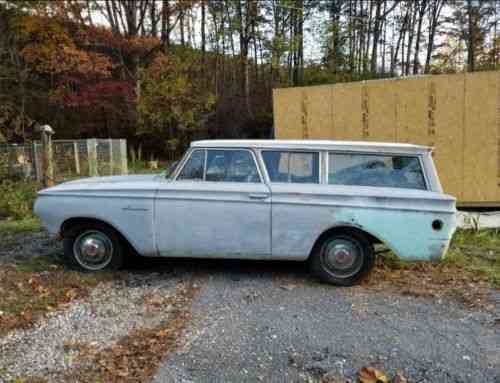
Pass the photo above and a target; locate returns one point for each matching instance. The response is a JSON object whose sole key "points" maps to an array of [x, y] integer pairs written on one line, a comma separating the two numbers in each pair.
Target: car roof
{"points": [[365, 146]]}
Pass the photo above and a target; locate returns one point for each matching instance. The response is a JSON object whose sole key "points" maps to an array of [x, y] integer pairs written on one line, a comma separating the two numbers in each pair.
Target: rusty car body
{"points": [[327, 202]]}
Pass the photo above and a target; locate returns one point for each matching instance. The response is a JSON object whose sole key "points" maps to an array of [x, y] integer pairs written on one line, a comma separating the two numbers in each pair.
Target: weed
{"points": [[17, 198]]}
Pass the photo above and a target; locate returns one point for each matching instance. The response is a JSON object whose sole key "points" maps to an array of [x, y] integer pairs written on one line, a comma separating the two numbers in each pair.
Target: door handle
{"points": [[258, 196]]}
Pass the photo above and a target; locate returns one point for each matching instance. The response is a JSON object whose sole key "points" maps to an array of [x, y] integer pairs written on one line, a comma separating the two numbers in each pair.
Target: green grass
{"points": [[17, 199], [477, 253], [12, 227], [9, 229]]}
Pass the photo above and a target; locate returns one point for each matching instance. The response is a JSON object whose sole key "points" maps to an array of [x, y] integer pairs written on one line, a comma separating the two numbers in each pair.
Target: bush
{"points": [[17, 198]]}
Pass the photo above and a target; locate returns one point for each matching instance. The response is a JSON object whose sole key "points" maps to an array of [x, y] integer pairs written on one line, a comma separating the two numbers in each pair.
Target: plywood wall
{"points": [[459, 115]]}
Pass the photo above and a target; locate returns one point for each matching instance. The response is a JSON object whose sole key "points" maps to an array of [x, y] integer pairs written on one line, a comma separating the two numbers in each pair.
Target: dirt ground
{"points": [[228, 321]]}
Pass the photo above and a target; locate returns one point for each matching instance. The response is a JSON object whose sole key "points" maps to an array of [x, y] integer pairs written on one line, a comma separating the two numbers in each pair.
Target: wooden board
{"points": [[347, 112], [381, 111], [480, 137], [457, 114], [449, 127]]}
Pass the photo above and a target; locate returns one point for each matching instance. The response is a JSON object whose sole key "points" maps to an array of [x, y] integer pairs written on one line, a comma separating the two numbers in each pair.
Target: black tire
{"points": [[99, 233], [342, 258]]}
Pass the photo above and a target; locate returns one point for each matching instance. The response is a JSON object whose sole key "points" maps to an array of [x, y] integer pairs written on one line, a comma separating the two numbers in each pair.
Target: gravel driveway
{"points": [[269, 322], [281, 326]]}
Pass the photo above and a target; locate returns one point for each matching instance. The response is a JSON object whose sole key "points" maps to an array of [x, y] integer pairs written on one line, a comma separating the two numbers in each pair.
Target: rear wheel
{"points": [[93, 247], [342, 258]]}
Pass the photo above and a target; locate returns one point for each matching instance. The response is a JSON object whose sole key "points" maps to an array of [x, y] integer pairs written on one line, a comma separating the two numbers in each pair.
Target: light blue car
{"points": [[327, 202]]}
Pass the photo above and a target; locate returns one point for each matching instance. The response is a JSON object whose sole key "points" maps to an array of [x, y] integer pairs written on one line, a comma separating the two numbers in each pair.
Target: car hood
{"points": [[141, 181]]}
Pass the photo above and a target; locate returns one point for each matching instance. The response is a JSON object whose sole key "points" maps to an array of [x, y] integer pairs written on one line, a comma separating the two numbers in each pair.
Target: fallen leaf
{"points": [[288, 287], [71, 294], [372, 375], [399, 378]]}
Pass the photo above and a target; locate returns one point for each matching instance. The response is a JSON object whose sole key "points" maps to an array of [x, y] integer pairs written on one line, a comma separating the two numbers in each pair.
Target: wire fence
{"points": [[70, 159]]}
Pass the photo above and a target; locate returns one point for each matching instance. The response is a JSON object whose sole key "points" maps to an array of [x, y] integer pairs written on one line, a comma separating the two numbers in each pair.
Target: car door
{"points": [[217, 206], [297, 217]]}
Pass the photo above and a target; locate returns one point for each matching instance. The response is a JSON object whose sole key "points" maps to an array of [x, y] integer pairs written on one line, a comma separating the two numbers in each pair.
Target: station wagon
{"points": [[327, 202]]}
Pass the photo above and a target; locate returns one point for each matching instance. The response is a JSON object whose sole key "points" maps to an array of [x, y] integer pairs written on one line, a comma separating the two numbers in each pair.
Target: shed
{"points": [[458, 114]]}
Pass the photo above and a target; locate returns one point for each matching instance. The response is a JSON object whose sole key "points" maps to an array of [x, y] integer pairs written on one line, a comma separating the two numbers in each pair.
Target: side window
{"points": [[294, 167], [193, 169], [231, 166], [375, 170]]}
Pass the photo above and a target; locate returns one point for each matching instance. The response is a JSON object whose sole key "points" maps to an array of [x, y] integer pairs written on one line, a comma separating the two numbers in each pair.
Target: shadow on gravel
{"points": [[232, 268]]}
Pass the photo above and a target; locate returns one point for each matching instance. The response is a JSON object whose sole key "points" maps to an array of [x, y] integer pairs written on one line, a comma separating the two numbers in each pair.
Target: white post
{"points": [[111, 163], [123, 156], [92, 157], [77, 157], [47, 157]]}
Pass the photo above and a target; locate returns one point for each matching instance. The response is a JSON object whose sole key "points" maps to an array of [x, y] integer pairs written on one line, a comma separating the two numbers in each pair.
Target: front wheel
{"points": [[342, 258], [93, 247]]}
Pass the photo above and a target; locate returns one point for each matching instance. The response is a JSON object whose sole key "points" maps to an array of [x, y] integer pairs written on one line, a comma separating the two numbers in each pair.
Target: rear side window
{"points": [[231, 166], [292, 167], [375, 170], [193, 169]]}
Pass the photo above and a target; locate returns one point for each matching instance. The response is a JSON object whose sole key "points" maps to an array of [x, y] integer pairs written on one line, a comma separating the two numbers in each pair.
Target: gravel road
{"points": [[269, 322], [278, 325]]}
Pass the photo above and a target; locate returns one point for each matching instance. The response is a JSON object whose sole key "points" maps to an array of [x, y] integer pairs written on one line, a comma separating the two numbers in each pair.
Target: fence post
{"points": [[35, 161], [48, 158], [92, 157], [123, 156], [77, 157]]}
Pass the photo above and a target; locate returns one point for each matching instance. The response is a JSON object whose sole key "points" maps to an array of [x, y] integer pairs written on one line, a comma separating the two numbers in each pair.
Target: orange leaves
{"points": [[26, 296], [372, 375], [49, 48], [135, 358]]}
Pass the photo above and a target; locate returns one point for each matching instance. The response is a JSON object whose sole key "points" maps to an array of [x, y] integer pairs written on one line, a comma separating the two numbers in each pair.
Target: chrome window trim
{"points": [[185, 161], [284, 150], [261, 179]]}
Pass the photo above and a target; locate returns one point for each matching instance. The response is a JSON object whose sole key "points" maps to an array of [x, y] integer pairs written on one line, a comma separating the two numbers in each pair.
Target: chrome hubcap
{"points": [[342, 258], [93, 250]]}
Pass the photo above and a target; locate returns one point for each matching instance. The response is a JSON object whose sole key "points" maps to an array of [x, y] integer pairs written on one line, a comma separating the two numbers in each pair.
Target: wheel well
{"points": [[78, 221], [345, 230]]}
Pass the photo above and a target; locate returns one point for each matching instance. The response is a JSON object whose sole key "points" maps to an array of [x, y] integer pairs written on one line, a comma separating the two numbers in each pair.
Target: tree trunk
{"points": [[435, 12], [411, 32], [181, 25], [203, 32], [421, 13], [471, 46], [376, 37]]}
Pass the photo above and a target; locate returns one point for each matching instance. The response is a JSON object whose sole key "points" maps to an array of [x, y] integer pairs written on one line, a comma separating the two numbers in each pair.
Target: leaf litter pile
{"points": [[136, 357], [469, 272], [31, 291]]}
